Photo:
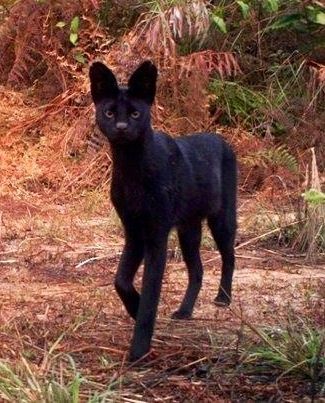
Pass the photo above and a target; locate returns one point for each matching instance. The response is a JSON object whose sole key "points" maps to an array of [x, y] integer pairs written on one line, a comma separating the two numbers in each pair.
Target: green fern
{"points": [[274, 156], [281, 156]]}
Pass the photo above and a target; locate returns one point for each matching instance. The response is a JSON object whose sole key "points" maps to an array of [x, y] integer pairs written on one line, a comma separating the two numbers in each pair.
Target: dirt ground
{"points": [[58, 300], [61, 321]]}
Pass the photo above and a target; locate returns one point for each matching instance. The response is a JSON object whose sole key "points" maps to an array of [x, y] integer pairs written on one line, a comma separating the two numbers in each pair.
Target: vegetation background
{"points": [[253, 70]]}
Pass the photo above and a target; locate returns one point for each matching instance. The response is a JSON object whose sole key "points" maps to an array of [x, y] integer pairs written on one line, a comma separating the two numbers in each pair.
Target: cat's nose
{"points": [[121, 125]]}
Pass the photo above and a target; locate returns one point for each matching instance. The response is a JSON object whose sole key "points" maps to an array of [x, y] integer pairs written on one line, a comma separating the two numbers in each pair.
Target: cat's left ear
{"points": [[142, 83]]}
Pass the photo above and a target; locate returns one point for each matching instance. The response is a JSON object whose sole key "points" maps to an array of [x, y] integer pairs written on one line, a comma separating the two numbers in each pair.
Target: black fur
{"points": [[159, 183]]}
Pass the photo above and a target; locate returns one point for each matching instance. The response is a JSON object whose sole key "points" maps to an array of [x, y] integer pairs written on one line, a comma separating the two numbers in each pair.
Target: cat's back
{"points": [[198, 153], [200, 144], [205, 144], [205, 150]]}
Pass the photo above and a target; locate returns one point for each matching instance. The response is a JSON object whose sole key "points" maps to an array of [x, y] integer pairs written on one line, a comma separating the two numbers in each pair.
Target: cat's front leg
{"points": [[155, 261], [131, 258]]}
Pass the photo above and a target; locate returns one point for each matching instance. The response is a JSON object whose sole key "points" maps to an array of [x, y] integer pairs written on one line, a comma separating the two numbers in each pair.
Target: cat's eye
{"points": [[135, 114], [109, 114]]}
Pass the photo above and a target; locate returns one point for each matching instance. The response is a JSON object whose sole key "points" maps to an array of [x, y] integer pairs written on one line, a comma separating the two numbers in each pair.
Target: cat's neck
{"points": [[130, 157]]}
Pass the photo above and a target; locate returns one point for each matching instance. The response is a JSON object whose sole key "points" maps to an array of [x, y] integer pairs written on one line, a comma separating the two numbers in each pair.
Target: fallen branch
{"points": [[274, 231]]}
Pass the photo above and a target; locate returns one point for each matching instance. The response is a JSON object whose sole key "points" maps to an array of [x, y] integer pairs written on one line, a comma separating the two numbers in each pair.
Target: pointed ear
{"points": [[142, 83], [103, 83]]}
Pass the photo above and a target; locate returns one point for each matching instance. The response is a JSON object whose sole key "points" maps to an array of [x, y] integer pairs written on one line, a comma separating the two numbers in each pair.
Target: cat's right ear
{"points": [[103, 83]]}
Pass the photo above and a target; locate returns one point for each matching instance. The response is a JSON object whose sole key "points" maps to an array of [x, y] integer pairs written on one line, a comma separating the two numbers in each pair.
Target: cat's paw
{"points": [[222, 301], [182, 315]]}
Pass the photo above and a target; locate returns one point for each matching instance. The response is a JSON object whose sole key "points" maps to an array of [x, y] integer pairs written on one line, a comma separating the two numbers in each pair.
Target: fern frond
{"points": [[281, 156], [273, 156]]}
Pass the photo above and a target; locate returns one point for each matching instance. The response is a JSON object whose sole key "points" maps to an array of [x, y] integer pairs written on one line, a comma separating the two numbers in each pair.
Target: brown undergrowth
{"points": [[62, 328], [60, 316], [44, 146]]}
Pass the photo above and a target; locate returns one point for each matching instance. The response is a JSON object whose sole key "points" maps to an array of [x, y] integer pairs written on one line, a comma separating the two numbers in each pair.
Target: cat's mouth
{"points": [[121, 137]]}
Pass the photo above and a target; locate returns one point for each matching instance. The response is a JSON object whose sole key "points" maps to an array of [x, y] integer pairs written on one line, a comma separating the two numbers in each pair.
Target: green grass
{"points": [[25, 383], [56, 380], [240, 103], [22, 382], [297, 350]]}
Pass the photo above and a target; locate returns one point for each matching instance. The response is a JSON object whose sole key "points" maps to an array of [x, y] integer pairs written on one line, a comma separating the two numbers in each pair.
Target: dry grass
{"points": [[312, 236], [61, 320], [63, 331]]}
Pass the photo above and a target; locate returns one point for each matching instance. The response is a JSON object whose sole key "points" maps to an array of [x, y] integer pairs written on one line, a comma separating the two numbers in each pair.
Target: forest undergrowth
{"points": [[253, 71]]}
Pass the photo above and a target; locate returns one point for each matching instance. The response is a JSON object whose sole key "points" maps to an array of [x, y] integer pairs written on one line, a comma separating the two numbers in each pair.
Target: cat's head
{"points": [[123, 113]]}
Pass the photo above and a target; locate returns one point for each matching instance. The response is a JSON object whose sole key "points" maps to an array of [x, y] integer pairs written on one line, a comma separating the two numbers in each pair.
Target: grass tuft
{"points": [[298, 350]]}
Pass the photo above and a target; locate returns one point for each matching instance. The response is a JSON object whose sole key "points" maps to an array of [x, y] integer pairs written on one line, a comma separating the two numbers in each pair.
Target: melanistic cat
{"points": [[158, 183]]}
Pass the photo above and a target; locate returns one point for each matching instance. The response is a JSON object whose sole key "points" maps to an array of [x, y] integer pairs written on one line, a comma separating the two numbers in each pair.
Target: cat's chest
{"points": [[144, 195], [127, 194], [130, 195]]}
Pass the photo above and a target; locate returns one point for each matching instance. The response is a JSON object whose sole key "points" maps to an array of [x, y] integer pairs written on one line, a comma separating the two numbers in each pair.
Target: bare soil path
{"points": [[57, 264]]}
